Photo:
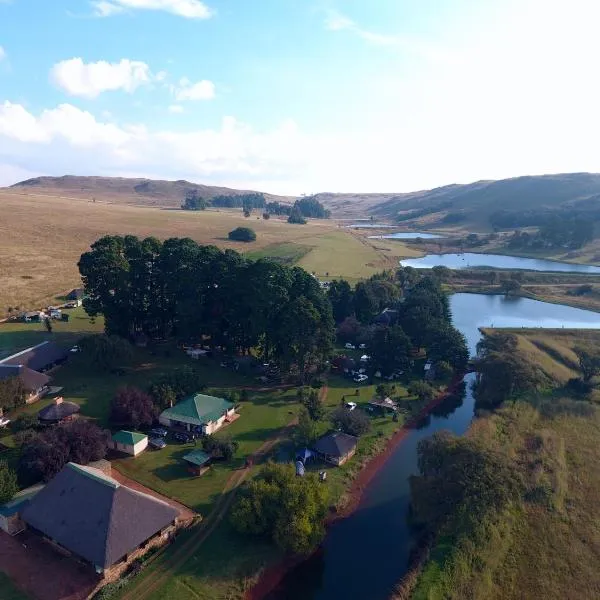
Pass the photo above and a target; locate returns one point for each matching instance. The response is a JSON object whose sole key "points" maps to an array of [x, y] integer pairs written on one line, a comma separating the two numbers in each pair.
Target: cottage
{"points": [[128, 442], [199, 412], [336, 448], [35, 384], [58, 412], [10, 512], [198, 462], [94, 518]]}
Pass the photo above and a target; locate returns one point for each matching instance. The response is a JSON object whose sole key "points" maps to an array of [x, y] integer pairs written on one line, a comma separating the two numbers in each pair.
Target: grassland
{"points": [[547, 545]]}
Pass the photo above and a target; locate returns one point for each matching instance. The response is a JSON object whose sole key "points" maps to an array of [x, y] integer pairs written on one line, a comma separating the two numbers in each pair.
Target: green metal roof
{"points": [[197, 457], [130, 438], [198, 409]]}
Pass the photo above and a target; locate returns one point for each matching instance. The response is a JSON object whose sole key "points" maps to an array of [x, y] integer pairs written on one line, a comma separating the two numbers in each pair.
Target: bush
{"points": [[242, 234], [353, 422], [25, 421], [423, 391], [296, 217]]}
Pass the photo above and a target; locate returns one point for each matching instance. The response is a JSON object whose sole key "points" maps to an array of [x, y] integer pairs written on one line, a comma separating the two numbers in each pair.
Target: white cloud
{"points": [[2, 53], [89, 80], [175, 108], [201, 90], [189, 9]]}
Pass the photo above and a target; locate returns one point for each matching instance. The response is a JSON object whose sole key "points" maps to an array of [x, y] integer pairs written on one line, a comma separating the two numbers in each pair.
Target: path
{"points": [[177, 558]]}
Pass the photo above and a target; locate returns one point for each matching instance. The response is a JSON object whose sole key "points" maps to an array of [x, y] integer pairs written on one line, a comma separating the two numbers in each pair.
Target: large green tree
{"points": [[449, 345], [8, 482], [341, 296], [390, 350]]}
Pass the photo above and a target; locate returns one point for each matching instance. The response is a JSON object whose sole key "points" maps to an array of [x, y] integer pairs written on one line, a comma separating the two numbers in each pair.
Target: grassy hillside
{"points": [[545, 544]]}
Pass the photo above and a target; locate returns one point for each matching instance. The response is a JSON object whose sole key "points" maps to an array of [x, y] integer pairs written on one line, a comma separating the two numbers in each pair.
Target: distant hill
{"points": [[149, 192], [474, 203]]}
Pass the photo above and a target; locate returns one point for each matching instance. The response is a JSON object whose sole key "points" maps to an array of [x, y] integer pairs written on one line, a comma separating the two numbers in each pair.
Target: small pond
{"points": [[407, 235]]}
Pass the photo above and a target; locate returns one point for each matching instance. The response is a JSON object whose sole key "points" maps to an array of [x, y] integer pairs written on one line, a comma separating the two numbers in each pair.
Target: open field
{"points": [[42, 238], [552, 441]]}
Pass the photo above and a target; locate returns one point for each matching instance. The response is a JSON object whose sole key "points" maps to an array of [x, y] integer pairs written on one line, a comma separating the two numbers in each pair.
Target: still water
{"points": [[495, 261], [407, 235], [365, 555]]}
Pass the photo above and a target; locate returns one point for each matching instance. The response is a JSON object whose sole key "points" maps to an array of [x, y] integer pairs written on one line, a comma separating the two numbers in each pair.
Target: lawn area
{"points": [[16, 336], [8, 591]]}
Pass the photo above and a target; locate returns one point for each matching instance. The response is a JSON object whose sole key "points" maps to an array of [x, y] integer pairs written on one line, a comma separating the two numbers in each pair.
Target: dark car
{"points": [[159, 432], [184, 436], [157, 443]]}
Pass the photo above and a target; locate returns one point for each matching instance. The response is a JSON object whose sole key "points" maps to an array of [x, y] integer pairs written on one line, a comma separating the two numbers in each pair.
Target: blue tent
{"points": [[304, 455]]}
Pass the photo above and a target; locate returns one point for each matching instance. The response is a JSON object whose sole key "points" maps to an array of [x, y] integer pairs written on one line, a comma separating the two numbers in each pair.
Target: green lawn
{"points": [[8, 591], [16, 336]]}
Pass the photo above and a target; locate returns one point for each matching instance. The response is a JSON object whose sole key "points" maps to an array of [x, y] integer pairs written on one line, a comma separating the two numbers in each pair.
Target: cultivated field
{"points": [[42, 238]]}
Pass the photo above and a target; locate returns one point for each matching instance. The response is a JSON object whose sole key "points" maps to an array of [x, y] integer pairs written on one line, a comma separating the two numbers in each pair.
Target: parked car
{"points": [[157, 443], [159, 432], [350, 405], [4, 422], [360, 378], [350, 346], [184, 436], [362, 346], [74, 349]]}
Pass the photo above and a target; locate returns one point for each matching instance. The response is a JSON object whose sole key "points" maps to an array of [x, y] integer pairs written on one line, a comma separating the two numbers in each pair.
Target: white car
{"points": [[360, 378], [4, 422], [350, 346], [350, 405], [362, 346]]}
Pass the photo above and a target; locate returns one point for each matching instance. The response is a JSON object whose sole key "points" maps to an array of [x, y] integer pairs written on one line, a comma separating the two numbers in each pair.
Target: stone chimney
{"points": [[58, 400]]}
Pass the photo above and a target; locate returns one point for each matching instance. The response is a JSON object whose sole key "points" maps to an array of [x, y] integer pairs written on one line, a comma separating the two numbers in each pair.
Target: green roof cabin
{"points": [[128, 442], [205, 414], [198, 462]]}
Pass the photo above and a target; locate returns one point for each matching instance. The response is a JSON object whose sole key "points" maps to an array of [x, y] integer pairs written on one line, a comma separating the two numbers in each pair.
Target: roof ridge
{"points": [[24, 351]]}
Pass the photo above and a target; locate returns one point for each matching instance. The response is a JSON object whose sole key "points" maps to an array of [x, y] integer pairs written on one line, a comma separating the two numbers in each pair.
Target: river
{"points": [[366, 554], [468, 260]]}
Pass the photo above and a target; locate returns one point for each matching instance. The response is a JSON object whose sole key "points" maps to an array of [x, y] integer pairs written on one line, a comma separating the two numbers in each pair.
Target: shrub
{"points": [[25, 421], [353, 422], [242, 234]]}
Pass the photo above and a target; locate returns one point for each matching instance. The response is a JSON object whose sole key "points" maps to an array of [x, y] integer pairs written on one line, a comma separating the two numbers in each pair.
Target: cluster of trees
{"points": [[104, 352], [556, 232], [242, 234], [286, 509], [309, 206], [175, 385], [354, 422], [12, 393], [277, 208], [194, 201], [223, 448], [8, 482], [179, 288], [47, 452]]}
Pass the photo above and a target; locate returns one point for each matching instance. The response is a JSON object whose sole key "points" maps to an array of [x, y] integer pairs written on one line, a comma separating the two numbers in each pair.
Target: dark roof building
{"points": [[95, 517], [42, 357], [336, 447], [58, 411], [32, 380]]}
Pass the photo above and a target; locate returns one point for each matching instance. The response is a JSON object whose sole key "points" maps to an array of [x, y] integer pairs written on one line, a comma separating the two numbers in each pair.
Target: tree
{"points": [[353, 422], [366, 305], [242, 234], [8, 482], [309, 206], [193, 201], [25, 421], [443, 370], [449, 345], [223, 447], [306, 432], [104, 352], [24, 437], [289, 510], [79, 441], [390, 350], [314, 405], [12, 393], [296, 217], [131, 407], [48, 324], [163, 395], [510, 286], [266, 216], [341, 297], [175, 385], [422, 390], [589, 362]]}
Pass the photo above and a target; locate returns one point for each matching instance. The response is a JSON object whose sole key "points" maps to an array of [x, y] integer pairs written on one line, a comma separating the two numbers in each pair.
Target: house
{"points": [[198, 462], [10, 512], [35, 384], [336, 448], [86, 514], [200, 413], [42, 357], [58, 412], [384, 404], [388, 316], [128, 442], [33, 316], [76, 295]]}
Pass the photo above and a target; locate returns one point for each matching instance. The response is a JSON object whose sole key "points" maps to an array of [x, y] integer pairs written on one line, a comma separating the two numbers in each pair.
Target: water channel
{"points": [[365, 555], [407, 235], [468, 260]]}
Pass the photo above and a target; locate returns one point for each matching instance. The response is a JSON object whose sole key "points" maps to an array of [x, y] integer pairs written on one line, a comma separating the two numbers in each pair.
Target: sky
{"points": [[299, 96]]}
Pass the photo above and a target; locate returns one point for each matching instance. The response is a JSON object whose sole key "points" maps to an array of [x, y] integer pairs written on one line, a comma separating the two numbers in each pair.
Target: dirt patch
{"points": [[41, 572]]}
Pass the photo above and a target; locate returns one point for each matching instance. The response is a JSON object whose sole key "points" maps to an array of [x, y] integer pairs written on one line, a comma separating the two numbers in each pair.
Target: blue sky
{"points": [[299, 96]]}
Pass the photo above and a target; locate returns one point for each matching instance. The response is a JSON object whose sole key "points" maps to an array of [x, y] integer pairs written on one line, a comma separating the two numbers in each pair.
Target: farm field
{"points": [[42, 238]]}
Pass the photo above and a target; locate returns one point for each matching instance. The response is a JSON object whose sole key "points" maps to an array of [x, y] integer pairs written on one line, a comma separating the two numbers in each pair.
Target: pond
{"points": [[365, 555], [370, 226], [407, 235], [468, 260]]}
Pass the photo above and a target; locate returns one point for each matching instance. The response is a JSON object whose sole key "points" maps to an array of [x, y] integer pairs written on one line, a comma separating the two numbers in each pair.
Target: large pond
{"points": [[495, 261], [365, 555], [371, 226], [407, 235]]}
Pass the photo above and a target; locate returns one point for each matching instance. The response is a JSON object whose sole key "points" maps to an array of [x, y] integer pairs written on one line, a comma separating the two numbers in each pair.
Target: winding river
{"points": [[469, 260], [366, 554]]}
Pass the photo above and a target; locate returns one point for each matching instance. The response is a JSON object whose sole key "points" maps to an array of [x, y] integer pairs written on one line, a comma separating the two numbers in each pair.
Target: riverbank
{"points": [[272, 576]]}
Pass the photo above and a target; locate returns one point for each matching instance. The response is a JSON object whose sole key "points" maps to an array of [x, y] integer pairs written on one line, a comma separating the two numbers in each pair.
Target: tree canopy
{"points": [[8, 482], [287, 509], [12, 393], [353, 422], [242, 234], [131, 407], [104, 352]]}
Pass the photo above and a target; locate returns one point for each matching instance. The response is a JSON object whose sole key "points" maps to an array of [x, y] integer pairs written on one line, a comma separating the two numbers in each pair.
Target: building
{"points": [[58, 412], [199, 412], [10, 512], [35, 384], [198, 462], [336, 448], [128, 442], [92, 517], [43, 357], [385, 404]]}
